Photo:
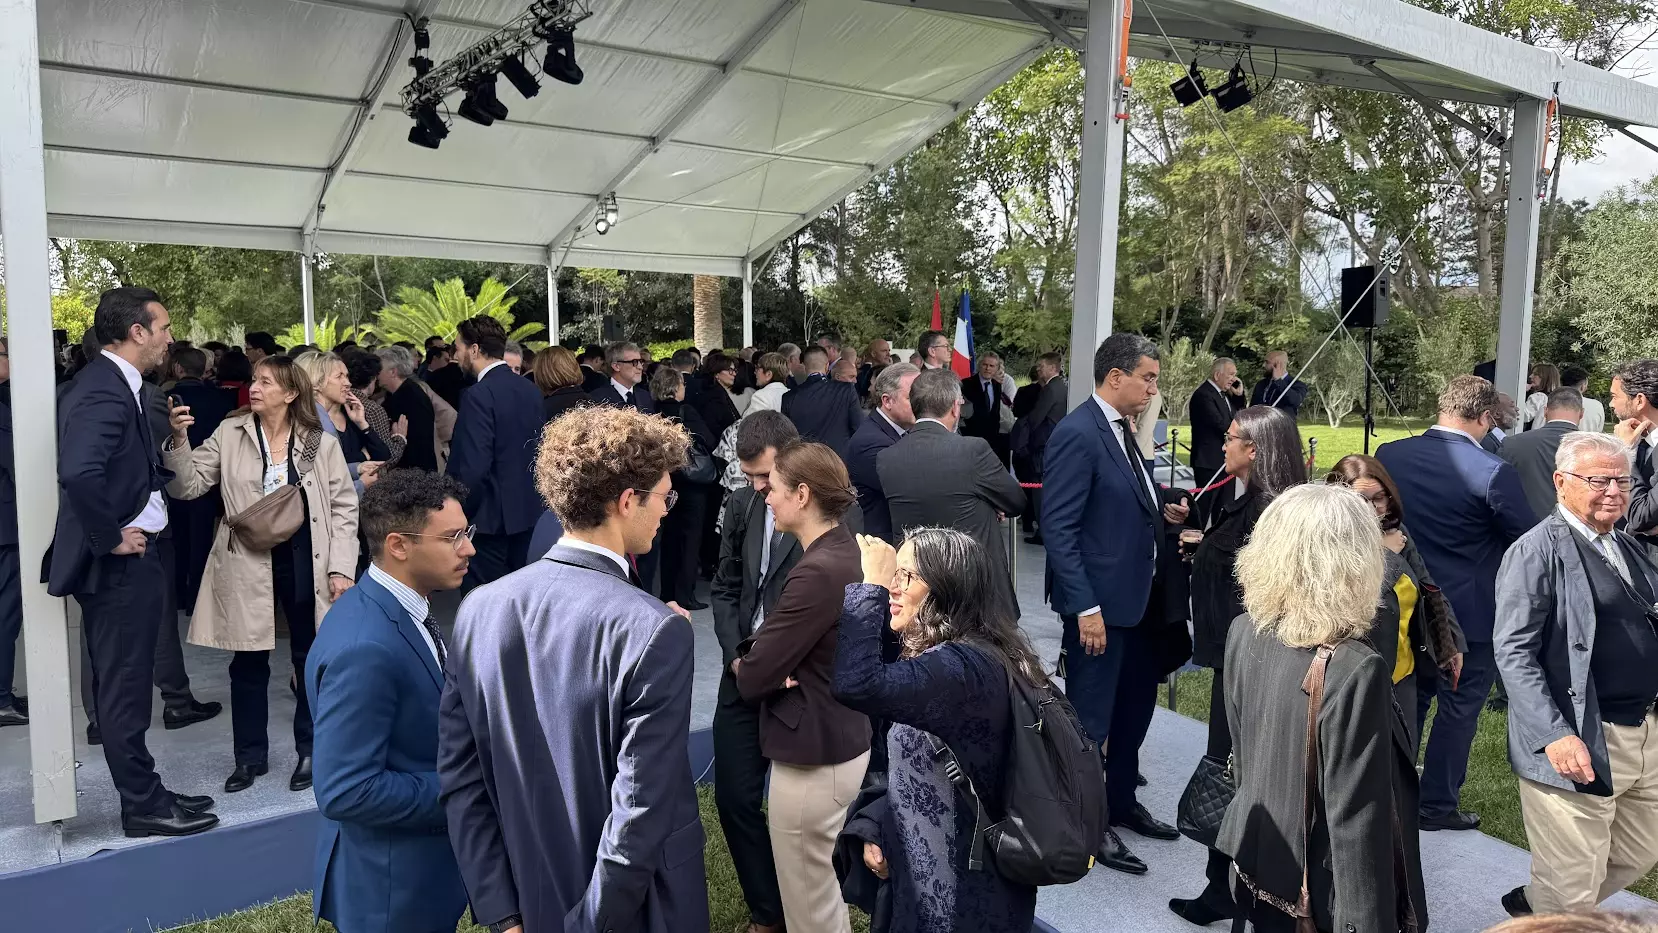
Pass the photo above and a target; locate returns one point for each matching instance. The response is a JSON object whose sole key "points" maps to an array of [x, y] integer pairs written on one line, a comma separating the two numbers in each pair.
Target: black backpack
{"points": [[1053, 811]]}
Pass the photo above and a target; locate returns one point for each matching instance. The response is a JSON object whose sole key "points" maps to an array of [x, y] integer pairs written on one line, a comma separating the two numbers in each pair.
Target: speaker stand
{"points": [[1369, 379]]}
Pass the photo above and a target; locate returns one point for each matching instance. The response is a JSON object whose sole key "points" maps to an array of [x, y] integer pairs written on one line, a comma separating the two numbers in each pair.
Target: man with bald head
{"points": [[1278, 388]]}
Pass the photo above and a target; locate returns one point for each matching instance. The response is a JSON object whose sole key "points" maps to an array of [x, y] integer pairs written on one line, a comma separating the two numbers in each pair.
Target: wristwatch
{"points": [[501, 926]]}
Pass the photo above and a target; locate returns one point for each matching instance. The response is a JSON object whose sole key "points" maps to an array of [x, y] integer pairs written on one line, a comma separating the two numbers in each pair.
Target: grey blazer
{"points": [[563, 759], [1544, 641], [738, 591], [1531, 453]]}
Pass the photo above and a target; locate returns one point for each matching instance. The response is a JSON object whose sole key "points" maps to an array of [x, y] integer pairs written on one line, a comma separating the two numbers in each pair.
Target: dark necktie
{"points": [[627, 398], [432, 629], [1132, 451]]}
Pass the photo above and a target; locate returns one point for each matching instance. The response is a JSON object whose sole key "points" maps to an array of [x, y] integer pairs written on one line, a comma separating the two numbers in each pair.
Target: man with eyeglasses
{"points": [[1465, 506], [935, 349], [374, 676], [1579, 654], [627, 370]]}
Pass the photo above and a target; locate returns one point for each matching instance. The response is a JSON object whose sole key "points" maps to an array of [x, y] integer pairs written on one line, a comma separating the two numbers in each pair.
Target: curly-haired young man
{"points": [[567, 704]]}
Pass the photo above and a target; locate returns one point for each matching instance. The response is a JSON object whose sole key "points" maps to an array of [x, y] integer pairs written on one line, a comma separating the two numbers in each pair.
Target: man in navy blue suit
{"points": [[822, 409], [626, 363], [374, 677], [888, 421], [1103, 521], [110, 510], [1463, 507], [493, 451], [193, 519]]}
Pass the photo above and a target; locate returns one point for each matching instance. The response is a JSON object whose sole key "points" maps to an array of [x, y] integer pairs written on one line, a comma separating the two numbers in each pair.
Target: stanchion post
{"points": [[1174, 691], [1013, 551]]}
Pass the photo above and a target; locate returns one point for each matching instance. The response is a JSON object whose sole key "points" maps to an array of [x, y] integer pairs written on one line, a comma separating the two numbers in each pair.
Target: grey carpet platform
{"points": [[1467, 872]]}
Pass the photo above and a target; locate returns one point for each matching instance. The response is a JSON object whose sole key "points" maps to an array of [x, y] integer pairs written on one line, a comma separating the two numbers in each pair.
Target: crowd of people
{"points": [[842, 511]]}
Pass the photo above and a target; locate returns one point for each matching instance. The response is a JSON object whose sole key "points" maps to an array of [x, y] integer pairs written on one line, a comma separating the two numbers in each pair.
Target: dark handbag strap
{"points": [[963, 783], [1313, 684], [301, 466]]}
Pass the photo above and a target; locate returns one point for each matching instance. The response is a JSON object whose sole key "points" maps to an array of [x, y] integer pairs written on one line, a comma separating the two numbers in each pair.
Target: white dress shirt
{"points": [[592, 548], [626, 392], [485, 371], [1113, 416], [895, 427], [413, 603], [1606, 544], [1456, 431], [765, 566], [153, 517]]}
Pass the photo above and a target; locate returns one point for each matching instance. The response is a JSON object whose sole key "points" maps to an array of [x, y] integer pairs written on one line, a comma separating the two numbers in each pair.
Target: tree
{"points": [[1614, 285], [420, 314], [326, 335], [708, 328]]}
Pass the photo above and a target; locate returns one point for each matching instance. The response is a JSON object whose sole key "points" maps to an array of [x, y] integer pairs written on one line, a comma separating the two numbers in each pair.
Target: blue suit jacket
{"points": [[564, 760], [1464, 507], [872, 437], [1101, 530], [383, 856], [493, 452]]}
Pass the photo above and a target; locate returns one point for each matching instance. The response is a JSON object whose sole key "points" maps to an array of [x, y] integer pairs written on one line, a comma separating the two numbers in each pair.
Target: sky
{"points": [[1621, 160]]}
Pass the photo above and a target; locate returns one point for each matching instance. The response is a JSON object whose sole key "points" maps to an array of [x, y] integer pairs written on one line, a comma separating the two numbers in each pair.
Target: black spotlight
{"points": [[1190, 89], [561, 56], [520, 77], [429, 128], [481, 105], [1235, 92]]}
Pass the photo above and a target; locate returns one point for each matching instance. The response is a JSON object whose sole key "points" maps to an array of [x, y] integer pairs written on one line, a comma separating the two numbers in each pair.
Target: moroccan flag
{"points": [[938, 320], [961, 360]]}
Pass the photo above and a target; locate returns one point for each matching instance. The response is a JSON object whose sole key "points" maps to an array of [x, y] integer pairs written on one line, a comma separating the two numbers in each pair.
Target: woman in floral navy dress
{"points": [[950, 682]]}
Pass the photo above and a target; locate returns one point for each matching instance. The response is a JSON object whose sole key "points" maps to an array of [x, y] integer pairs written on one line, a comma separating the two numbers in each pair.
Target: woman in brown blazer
{"points": [[253, 453], [817, 747]]}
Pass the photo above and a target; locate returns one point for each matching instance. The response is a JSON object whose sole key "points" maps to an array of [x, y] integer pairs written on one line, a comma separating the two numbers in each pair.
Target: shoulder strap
{"points": [[1313, 684]]}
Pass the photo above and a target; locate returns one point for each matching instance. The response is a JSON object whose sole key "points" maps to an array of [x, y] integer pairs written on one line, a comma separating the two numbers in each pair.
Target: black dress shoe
{"points": [[1140, 820], [1456, 819], [93, 736], [1034, 539], [189, 714], [691, 605], [1516, 904], [12, 716], [1140, 780], [1198, 911], [302, 774], [22, 704], [193, 803], [242, 777], [174, 821], [1113, 854]]}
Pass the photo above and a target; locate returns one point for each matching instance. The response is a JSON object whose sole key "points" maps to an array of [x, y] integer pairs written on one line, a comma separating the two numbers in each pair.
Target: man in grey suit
{"points": [[1532, 452], [934, 476], [563, 759]]}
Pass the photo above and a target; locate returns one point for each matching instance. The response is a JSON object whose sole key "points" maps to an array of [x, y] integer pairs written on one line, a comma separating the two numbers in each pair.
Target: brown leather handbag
{"points": [[276, 517]]}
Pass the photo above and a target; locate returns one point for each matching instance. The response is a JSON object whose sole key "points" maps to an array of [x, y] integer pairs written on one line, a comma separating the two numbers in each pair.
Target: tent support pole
{"points": [[46, 638], [748, 303], [307, 297], [1101, 192], [552, 304], [1520, 247]]}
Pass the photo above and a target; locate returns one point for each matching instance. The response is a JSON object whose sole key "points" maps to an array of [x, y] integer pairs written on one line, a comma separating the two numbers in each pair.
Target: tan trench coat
{"points": [[236, 610]]}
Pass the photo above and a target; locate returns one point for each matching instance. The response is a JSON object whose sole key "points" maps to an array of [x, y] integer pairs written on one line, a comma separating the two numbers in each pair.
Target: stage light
{"points": [[611, 212], [422, 35], [481, 106], [520, 77], [1190, 89], [1235, 92], [561, 55], [429, 129], [602, 225]]}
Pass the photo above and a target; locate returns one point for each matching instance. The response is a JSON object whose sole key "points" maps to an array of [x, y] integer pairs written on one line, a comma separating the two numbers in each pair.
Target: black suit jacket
{"points": [[1532, 456], [8, 480], [108, 465], [934, 477], [591, 379], [825, 411], [411, 401], [606, 394], [872, 437], [1641, 520], [497, 431], [209, 405], [986, 419], [740, 589], [1210, 412], [1267, 392]]}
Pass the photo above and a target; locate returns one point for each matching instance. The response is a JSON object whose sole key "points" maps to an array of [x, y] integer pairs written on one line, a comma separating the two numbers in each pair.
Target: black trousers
{"points": [[121, 620], [192, 522], [170, 676], [250, 671], [740, 794], [11, 619], [498, 555], [681, 544], [1115, 694]]}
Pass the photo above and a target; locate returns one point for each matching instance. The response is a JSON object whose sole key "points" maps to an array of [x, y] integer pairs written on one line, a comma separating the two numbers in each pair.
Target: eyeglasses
{"points": [[637, 362], [1603, 483], [454, 538], [668, 498], [903, 579], [1229, 437]]}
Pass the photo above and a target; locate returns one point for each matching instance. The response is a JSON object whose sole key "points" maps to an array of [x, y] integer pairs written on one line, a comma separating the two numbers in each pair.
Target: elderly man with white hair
{"points": [[1578, 653]]}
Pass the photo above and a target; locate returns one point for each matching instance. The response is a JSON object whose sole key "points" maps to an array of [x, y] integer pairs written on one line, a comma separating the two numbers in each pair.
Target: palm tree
{"points": [[708, 330], [420, 314], [328, 333]]}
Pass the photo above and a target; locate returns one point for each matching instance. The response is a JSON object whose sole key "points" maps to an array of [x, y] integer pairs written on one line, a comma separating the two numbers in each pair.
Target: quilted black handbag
{"points": [[1204, 801]]}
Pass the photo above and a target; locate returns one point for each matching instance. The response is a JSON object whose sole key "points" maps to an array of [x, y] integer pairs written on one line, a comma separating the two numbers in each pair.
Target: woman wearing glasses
{"points": [[958, 648], [1416, 632], [818, 748], [1263, 457], [277, 441]]}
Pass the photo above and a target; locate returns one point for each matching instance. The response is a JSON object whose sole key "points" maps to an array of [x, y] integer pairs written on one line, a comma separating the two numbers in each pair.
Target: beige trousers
{"points": [[805, 810], [1585, 848]]}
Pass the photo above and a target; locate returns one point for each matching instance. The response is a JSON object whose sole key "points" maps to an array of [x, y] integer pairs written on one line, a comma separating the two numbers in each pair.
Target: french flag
{"points": [[961, 361]]}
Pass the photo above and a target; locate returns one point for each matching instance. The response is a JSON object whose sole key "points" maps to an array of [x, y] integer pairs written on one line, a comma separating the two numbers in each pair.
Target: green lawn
{"points": [[1335, 443], [1490, 791], [727, 913]]}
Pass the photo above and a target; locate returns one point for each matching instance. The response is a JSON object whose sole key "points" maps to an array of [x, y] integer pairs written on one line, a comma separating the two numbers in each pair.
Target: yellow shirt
{"points": [[1405, 663]]}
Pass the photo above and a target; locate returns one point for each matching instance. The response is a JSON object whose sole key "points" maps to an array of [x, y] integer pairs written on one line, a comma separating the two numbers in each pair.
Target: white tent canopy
{"points": [[722, 126]]}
